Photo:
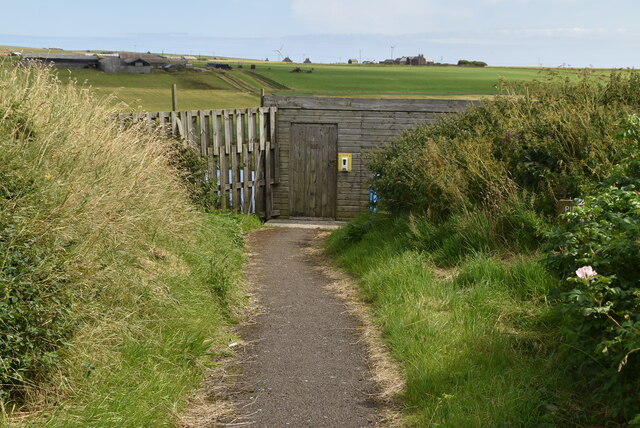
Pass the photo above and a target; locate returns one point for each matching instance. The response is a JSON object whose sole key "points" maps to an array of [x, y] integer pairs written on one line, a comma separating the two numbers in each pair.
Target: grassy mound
{"points": [[112, 283]]}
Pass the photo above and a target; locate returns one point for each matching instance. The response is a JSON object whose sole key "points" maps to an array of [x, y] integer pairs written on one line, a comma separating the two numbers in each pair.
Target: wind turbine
{"points": [[392, 48], [279, 51]]}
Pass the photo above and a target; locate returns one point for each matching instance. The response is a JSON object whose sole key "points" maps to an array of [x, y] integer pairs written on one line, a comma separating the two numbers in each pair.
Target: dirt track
{"points": [[304, 366]]}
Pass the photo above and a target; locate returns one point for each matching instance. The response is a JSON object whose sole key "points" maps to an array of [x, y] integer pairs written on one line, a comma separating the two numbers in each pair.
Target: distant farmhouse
{"points": [[114, 64], [109, 62], [157, 61], [409, 60], [352, 61]]}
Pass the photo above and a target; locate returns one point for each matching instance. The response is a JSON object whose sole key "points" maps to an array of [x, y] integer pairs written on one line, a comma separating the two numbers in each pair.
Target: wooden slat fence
{"points": [[240, 147]]}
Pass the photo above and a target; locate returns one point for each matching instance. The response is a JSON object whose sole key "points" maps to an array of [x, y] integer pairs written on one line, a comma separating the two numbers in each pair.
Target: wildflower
{"points": [[586, 272]]}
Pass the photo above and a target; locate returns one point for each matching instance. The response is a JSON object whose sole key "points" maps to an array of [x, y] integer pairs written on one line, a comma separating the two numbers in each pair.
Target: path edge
{"points": [[386, 372], [212, 403]]}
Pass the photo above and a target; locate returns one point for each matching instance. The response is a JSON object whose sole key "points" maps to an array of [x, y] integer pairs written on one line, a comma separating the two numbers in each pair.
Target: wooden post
{"points": [[174, 98], [267, 181], [262, 97]]}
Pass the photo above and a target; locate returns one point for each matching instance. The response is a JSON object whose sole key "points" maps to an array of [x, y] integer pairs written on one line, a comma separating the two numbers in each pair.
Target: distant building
{"points": [[352, 61], [307, 61], [70, 61], [287, 59], [219, 65], [111, 64], [409, 60], [189, 57], [158, 61], [419, 60], [107, 63]]}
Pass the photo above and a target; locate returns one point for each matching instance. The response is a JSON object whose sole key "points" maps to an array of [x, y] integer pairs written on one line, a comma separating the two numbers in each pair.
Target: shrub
{"points": [[602, 308], [543, 138], [193, 170]]}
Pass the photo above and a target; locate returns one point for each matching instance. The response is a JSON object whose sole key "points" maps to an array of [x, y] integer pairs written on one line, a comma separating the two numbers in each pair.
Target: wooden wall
{"points": [[363, 125]]}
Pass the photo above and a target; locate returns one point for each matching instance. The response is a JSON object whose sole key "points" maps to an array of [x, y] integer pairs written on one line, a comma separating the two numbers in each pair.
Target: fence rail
{"points": [[240, 146]]}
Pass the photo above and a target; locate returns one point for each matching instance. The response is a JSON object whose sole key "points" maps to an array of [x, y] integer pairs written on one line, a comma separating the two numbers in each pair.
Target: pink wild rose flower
{"points": [[586, 272]]}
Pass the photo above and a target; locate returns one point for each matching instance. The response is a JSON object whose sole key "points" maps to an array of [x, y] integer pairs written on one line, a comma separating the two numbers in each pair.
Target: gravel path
{"points": [[304, 366]]}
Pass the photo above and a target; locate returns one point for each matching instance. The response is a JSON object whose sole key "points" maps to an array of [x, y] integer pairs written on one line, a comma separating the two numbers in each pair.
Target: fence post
{"points": [[174, 98]]}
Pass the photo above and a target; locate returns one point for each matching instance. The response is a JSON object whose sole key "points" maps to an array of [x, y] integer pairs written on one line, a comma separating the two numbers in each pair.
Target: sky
{"points": [[550, 33]]}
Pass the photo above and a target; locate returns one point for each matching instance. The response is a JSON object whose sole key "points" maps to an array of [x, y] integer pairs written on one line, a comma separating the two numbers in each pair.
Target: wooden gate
{"points": [[239, 145], [313, 171]]}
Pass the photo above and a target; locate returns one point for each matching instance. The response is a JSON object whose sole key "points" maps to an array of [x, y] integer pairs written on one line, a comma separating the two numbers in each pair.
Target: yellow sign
{"points": [[344, 162]]}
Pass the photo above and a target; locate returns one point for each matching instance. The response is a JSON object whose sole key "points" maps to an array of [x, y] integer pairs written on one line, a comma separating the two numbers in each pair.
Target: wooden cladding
{"points": [[240, 147], [362, 126]]}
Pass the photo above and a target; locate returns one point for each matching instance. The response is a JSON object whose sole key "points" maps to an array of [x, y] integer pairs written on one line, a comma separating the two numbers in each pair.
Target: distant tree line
{"points": [[467, 63]]}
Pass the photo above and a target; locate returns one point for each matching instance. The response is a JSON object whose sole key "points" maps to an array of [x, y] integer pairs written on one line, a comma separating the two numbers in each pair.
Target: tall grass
{"points": [[111, 278], [473, 332]]}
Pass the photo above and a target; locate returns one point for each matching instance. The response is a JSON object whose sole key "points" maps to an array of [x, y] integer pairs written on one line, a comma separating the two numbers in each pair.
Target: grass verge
{"points": [[139, 366], [474, 335], [116, 291]]}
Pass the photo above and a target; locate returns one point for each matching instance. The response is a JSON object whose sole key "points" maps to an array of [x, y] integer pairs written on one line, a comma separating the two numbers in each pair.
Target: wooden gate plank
{"points": [[217, 122], [235, 178], [259, 181], [228, 133], [246, 172], [263, 128], [224, 177], [251, 128], [267, 179], [204, 140]]}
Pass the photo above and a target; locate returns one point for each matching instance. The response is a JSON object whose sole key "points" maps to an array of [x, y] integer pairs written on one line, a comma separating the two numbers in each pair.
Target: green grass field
{"points": [[196, 90], [358, 80], [209, 89], [212, 89]]}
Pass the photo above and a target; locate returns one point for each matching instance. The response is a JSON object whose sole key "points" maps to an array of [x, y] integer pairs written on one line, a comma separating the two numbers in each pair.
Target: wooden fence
{"points": [[240, 147]]}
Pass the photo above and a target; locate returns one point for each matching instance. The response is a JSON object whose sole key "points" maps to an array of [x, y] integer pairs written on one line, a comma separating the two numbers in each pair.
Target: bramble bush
{"points": [[602, 310]]}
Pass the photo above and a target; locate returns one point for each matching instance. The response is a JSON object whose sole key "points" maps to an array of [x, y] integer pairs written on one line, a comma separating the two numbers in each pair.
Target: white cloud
{"points": [[375, 16]]}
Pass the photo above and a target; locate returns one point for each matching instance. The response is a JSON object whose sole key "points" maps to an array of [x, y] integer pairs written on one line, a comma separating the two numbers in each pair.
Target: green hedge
{"points": [[539, 142]]}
